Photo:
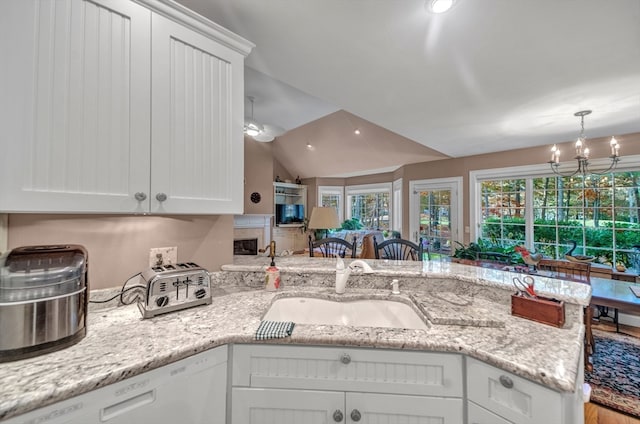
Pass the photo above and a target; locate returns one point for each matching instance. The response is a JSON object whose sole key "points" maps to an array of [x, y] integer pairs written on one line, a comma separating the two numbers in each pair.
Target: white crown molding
{"points": [[191, 19]]}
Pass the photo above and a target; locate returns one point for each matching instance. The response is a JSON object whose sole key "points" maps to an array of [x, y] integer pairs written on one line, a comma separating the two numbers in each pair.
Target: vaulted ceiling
{"points": [[486, 76]]}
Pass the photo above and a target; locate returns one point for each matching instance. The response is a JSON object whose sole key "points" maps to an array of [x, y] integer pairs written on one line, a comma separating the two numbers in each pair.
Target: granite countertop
{"points": [[305, 266], [468, 314]]}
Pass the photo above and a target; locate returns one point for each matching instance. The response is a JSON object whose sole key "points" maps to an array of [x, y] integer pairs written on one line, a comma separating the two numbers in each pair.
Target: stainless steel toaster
{"points": [[174, 287], [43, 299]]}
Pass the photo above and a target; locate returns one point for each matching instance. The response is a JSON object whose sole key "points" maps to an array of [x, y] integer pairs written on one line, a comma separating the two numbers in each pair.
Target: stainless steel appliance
{"points": [[174, 287], [43, 299]]}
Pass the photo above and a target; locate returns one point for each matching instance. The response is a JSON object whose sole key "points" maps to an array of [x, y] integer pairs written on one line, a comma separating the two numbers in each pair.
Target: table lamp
{"points": [[323, 218]]}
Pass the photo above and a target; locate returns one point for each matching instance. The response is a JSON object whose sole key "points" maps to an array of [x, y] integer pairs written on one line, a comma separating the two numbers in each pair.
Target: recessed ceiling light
{"points": [[439, 6], [357, 132]]}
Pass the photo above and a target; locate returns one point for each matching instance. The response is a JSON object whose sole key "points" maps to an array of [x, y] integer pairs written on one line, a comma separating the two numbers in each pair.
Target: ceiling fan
{"points": [[260, 132]]}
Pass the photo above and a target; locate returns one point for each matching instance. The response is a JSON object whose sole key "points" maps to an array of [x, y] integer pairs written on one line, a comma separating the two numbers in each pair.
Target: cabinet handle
{"points": [[140, 196], [506, 381], [161, 197], [355, 415], [337, 416], [345, 358]]}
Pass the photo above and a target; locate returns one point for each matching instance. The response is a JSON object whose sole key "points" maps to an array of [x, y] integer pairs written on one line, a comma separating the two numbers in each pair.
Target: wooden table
{"points": [[614, 294]]}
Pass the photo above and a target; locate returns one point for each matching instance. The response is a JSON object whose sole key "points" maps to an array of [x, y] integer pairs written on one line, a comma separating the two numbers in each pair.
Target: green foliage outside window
{"points": [[372, 209], [600, 213]]}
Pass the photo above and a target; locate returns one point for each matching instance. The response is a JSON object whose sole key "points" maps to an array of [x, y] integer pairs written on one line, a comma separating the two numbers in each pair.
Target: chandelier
{"points": [[582, 153]]}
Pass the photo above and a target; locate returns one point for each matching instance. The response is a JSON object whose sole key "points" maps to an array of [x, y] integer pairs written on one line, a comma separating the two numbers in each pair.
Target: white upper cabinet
{"points": [[81, 132], [198, 148]]}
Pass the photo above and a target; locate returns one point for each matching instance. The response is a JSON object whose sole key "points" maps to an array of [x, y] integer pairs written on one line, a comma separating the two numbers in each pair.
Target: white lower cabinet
{"points": [[190, 391], [479, 415], [265, 406], [290, 238], [295, 384], [517, 400]]}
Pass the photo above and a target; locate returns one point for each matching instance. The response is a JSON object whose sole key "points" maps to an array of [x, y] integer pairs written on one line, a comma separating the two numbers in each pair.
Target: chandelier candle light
{"points": [[582, 153]]}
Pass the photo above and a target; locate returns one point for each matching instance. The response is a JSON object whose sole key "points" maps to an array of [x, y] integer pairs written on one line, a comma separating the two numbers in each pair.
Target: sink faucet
{"points": [[272, 251], [342, 273]]}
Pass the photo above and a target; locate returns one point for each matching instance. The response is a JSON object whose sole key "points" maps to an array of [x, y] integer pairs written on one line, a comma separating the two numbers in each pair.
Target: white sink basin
{"points": [[357, 313]]}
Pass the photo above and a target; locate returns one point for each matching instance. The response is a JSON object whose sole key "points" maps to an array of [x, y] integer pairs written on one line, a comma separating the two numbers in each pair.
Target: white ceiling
{"points": [[489, 75]]}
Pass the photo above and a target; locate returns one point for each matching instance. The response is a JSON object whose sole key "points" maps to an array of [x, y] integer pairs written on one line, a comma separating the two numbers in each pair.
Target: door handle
{"points": [[127, 405]]}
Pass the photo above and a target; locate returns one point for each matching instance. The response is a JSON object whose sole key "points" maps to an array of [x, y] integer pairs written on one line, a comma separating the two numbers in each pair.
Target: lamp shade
{"points": [[323, 218]]}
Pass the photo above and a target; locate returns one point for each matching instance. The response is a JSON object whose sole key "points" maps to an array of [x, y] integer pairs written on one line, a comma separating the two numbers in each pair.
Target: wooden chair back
{"points": [[368, 250], [332, 246], [398, 249], [565, 270]]}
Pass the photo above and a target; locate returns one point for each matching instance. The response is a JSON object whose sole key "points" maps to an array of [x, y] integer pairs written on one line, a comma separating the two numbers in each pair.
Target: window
{"points": [[503, 208], [397, 206], [332, 196], [370, 204], [600, 213]]}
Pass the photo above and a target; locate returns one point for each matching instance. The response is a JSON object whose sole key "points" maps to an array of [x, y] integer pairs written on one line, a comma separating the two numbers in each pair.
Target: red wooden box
{"points": [[540, 309]]}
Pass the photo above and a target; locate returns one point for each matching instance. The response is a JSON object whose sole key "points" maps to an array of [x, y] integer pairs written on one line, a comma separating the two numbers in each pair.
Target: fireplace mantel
{"points": [[253, 226]]}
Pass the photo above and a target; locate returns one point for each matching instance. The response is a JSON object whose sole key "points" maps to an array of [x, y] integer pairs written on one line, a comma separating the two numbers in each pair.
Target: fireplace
{"points": [[248, 246], [250, 233]]}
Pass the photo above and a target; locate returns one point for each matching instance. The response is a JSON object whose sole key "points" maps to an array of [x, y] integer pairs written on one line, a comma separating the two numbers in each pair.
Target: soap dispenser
{"points": [[341, 276], [272, 276]]}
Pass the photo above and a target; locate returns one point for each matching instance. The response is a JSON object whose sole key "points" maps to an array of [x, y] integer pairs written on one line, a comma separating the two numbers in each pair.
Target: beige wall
{"points": [[258, 176], [279, 171], [118, 246], [4, 231]]}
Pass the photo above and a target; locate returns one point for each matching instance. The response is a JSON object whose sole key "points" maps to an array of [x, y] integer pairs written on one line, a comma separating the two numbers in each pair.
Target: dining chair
{"points": [[566, 270], [332, 246], [398, 249], [579, 272]]}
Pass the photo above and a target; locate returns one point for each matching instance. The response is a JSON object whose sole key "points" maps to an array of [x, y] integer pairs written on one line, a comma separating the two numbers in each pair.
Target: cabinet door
{"points": [[75, 105], [190, 391], [518, 400], [397, 409], [288, 239], [479, 415], [197, 121], [268, 406]]}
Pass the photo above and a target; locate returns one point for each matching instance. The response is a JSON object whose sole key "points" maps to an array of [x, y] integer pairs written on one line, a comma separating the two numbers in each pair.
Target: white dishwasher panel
{"points": [[190, 391]]}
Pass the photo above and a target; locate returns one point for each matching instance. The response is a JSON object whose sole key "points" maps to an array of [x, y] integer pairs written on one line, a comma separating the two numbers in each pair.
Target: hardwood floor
{"points": [[596, 414]]}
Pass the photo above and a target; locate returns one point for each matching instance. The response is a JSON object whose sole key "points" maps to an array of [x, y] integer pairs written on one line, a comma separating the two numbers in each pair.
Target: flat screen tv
{"points": [[289, 214]]}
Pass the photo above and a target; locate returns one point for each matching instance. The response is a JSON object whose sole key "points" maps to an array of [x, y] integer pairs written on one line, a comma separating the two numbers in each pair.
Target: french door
{"points": [[435, 213]]}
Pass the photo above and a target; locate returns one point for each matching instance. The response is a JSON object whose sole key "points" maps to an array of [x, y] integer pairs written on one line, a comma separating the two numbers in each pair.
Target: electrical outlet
{"points": [[163, 256]]}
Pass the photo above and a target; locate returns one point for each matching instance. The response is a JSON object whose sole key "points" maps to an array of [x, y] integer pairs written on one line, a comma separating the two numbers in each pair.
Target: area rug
{"points": [[615, 379]]}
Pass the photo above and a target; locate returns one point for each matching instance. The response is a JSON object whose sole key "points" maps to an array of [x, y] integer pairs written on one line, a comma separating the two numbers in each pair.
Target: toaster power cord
{"points": [[123, 290]]}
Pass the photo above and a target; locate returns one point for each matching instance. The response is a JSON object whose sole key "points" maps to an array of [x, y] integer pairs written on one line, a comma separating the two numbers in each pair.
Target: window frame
{"points": [[528, 172], [333, 191], [354, 190]]}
